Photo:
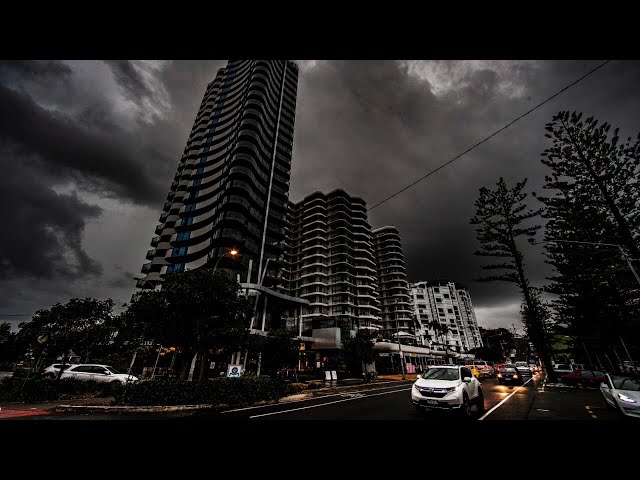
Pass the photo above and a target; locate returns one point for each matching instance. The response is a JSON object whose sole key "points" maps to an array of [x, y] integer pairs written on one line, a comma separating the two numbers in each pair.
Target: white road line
{"points": [[504, 400], [309, 399], [329, 403]]}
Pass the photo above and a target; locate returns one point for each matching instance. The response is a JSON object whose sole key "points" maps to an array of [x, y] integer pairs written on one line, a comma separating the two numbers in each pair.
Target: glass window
{"points": [[186, 221], [203, 159], [508, 370], [81, 368], [99, 370], [626, 383], [209, 139], [199, 170], [206, 149], [183, 236], [178, 252], [113, 370], [435, 373], [586, 373], [466, 373], [598, 374], [190, 207], [197, 182], [438, 300], [178, 267]]}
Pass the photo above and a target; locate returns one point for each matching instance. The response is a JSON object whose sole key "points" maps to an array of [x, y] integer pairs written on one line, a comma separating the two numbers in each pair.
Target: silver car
{"points": [[622, 392]]}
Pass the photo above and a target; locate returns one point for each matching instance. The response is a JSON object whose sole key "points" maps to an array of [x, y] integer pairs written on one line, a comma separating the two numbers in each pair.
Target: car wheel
{"points": [[465, 408], [480, 401]]}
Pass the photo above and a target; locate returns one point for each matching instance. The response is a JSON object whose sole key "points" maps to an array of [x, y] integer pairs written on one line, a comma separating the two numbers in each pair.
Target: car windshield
{"points": [[441, 374], [563, 366], [521, 364], [478, 363], [507, 370], [113, 370], [626, 383]]}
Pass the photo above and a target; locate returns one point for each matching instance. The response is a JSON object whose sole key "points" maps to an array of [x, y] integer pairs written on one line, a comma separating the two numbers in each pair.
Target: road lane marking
{"points": [[328, 403], [594, 416], [504, 400], [309, 399]]}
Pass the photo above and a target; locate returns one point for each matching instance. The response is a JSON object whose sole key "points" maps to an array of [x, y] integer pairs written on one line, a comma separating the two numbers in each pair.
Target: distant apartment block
{"points": [[395, 300], [331, 263], [450, 305]]}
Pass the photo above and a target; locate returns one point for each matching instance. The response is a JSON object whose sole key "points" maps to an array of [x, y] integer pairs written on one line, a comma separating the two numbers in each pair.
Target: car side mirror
{"points": [[604, 386], [466, 379]]}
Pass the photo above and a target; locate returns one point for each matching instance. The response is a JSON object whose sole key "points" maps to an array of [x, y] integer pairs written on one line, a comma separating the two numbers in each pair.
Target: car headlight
{"points": [[450, 389], [624, 398]]}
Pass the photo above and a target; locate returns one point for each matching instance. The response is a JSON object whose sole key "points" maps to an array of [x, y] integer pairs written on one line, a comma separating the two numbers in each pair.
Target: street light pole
{"points": [[400, 350], [233, 252]]}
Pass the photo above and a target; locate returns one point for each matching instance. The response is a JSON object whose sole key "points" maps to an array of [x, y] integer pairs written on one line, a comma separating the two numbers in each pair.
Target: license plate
{"points": [[432, 402]]}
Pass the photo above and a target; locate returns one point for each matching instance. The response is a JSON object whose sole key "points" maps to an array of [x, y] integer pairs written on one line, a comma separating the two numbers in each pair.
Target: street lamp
{"points": [[400, 349], [233, 252]]}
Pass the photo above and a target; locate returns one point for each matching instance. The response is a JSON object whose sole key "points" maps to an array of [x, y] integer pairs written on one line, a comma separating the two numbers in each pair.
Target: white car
{"points": [[447, 387], [622, 392], [524, 368], [52, 370], [562, 368], [98, 373]]}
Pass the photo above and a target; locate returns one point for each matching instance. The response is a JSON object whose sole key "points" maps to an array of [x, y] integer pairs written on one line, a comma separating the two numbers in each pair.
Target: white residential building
{"points": [[450, 305]]}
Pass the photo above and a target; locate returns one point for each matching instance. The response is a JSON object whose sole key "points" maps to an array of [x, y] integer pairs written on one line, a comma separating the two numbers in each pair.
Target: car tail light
{"points": [[515, 375], [499, 375]]}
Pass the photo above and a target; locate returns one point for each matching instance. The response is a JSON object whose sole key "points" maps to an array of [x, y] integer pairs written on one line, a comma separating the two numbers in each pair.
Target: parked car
{"points": [[524, 368], [584, 378], [447, 387], [510, 374], [562, 368], [485, 368], [476, 372], [98, 373], [52, 370], [622, 392]]}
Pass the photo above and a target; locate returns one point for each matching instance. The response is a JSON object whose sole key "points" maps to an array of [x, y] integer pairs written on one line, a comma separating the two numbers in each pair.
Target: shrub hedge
{"points": [[15, 389], [228, 391]]}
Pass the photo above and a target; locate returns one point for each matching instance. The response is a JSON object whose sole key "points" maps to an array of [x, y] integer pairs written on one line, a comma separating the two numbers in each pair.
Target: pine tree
{"points": [[502, 218], [594, 197]]}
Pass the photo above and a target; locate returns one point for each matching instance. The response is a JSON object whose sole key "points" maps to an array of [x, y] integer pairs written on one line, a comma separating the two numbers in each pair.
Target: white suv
{"points": [[97, 373], [447, 387]]}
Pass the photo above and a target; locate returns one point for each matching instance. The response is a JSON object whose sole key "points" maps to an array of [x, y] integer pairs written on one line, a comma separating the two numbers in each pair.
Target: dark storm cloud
{"points": [[129, 79], [370, 127], [373, 127], [43, 229], [62, 126], [35, 70]]}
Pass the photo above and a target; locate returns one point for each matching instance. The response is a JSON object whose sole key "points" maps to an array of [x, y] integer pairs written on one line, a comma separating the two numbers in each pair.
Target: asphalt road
{"points": [[387, 401], [390, 400]]}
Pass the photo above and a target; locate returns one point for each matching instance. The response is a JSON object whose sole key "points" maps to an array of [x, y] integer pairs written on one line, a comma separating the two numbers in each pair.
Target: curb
{"points": [[134, 409]]}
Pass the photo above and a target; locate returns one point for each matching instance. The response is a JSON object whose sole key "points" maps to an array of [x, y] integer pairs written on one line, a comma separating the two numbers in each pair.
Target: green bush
{"points": [[15, 389], [228, 391]]}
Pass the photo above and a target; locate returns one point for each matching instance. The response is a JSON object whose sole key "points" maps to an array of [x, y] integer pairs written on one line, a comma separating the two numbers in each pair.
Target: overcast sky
{"points": [[88, 150]]}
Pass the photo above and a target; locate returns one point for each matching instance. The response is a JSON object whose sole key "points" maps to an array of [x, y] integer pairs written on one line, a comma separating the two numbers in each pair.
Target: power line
{"points": [[490, 136]]}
